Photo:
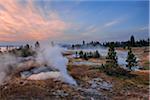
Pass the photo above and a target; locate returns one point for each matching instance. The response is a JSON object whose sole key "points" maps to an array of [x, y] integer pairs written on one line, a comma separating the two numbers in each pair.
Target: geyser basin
{"points": [[44, 73], [51, 56]]}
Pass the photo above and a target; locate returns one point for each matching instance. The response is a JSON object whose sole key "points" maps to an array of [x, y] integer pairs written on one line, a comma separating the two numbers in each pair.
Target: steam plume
{"points": [[53, 57]]}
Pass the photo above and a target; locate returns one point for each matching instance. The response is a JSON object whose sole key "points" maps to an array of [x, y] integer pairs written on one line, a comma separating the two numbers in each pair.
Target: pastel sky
{"points": [[72, 20]]}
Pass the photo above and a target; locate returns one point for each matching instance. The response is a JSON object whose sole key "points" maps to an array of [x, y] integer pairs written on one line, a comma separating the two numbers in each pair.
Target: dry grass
{"points": [[35, 90], [123, 87]]}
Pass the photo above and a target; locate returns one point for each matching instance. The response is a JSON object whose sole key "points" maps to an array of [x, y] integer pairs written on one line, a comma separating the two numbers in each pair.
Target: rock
{"points": [[92, 93], [98, 83], [25, 74], [60, 93], [40, 69], [37, 70]]}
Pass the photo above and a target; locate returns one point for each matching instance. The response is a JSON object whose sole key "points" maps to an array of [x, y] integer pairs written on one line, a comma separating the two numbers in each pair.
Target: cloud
{"points": [[101, 28], [24, 22], [93, 31], [145, 28], [91, 28], [111, 23]]}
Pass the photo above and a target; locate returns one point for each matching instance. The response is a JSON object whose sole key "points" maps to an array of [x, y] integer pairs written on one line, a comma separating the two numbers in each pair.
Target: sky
{"points": [[24, 21]]}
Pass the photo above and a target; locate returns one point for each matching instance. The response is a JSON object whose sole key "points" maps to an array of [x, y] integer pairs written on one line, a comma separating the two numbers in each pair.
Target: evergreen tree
{"points": [[26, 51], [96, 54], [131, 59], [27, 46], [76, 54], [73, 46], [90, 54], [132, 41], [83, 42], [85, 56], [37, 45], [111, 56], [81, 54]]}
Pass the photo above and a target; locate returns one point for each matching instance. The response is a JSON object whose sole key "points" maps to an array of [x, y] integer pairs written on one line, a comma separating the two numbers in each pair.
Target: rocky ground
{"points": [[117, 88], [93, 84], [19, 89]]}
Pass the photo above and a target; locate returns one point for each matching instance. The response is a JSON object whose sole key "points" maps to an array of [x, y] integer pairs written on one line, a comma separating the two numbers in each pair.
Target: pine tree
{"points": [[132, 41], [90, 54], [111, 56], [131, 60], [26, 51], [76, 54], [27, 46], [83, 43], [85, 56], [37, 45], [81, 54], [96, 54]]}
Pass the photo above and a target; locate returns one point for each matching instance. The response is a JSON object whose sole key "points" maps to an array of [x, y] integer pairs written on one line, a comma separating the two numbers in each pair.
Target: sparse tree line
{"points": [[24, 51], [87, 55], [130, 43], [90, 44], [28, 50], [111, 66]]}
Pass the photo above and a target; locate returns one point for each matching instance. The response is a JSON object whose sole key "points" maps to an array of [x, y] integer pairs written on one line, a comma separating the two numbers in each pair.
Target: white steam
{"points": [[7, 66], [51, 55]]}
